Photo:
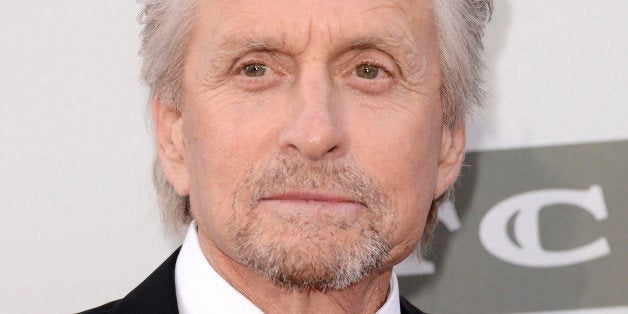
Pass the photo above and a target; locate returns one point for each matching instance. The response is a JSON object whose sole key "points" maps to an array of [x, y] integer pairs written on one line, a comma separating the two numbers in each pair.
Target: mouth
{"points": [[314, 201]]}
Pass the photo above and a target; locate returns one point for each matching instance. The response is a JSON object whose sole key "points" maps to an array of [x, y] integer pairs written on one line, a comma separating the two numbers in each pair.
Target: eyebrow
{"points": [[397, 46], [233, 47], [396, 43]]}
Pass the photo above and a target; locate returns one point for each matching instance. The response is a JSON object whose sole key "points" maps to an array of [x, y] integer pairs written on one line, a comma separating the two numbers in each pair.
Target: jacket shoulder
{"points": [[105, 308], [407, 307], [156, 294]]}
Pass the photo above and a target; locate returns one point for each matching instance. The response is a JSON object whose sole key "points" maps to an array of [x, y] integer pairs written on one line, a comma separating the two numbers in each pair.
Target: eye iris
{"points": [[254, 70], [367, 71]]}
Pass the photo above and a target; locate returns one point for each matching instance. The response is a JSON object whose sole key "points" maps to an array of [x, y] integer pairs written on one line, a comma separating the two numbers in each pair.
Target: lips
{"points": [[311, 196], [330, 203]]}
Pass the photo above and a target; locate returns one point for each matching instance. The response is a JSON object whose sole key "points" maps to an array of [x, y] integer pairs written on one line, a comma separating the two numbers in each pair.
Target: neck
{"points": [[365, 296]]}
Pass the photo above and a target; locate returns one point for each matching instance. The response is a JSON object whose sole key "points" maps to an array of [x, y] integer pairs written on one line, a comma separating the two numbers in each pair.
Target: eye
{"points": [[254, 70], [367, 71], [257, 74]]}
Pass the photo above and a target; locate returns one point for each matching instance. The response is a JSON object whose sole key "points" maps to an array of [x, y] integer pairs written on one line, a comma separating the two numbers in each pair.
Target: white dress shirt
{"points": [[200, 289]]}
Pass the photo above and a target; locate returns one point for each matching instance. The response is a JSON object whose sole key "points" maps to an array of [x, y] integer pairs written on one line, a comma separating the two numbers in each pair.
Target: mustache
{"points": [[286, 174]]}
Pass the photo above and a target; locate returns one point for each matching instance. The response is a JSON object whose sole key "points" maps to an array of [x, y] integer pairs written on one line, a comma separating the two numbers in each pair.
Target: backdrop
{"points": [[538, 224]]}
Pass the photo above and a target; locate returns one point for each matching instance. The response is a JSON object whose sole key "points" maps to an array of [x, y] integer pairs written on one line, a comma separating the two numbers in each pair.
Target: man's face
{"points": [[310, 139]]}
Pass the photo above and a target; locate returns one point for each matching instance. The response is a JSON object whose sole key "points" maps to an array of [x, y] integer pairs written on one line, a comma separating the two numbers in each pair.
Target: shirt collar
{"points": [[200, 289], [391, 306]]}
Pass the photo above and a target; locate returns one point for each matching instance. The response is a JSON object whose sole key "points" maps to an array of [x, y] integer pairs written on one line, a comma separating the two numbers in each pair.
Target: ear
{"points": [[171, 145], [450, 158]]}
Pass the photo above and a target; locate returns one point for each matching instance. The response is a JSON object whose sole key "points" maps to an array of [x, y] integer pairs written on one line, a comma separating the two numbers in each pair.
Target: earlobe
{"points": [[170, 144], [450, 158]]}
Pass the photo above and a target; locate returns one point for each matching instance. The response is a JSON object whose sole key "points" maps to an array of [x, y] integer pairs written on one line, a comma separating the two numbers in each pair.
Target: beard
{"points": [[310, 250]]}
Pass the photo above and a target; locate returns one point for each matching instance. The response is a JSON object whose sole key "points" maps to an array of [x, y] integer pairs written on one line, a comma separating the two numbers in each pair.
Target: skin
{"points": [[310, 105]]}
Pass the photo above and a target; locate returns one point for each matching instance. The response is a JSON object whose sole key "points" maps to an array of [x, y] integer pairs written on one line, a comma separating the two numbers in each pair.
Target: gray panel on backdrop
{"points": [[470, 274]]}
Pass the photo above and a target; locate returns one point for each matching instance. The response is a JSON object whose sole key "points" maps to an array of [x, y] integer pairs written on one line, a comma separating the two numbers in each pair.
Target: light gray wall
{"points": [[79, 225]]}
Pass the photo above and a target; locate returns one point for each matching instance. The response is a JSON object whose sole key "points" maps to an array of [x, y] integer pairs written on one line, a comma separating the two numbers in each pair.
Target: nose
{"points": [[315, 129]]}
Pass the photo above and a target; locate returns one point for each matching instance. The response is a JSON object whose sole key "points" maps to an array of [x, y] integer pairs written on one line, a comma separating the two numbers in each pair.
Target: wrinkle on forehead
{"points": [[403, 29], [307, 20]]}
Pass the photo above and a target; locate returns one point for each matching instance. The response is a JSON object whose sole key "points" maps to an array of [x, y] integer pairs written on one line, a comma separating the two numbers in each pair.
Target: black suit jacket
{"points": [[157, 294]]}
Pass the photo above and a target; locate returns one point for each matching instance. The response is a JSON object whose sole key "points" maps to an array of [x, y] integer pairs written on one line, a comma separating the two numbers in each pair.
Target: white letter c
{"points": [[526, 207]]}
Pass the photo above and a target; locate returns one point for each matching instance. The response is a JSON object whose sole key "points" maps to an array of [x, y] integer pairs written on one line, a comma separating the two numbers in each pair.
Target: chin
{"points": [[303, 253]]}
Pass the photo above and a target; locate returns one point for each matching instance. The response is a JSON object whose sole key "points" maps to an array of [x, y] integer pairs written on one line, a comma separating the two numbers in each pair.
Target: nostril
{"points": [[333, 149]]}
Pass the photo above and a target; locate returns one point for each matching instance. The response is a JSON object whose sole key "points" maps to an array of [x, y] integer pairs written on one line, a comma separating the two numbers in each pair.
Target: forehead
{"points": [[297, 25]]}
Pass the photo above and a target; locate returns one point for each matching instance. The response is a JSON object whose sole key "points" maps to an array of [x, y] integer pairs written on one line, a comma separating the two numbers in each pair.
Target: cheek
{"points": [[226, 133], [402, 153], [222, 143]]}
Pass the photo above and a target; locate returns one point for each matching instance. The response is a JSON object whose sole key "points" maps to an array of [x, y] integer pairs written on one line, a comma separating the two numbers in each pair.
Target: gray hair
{"points": [[164, 46]]}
